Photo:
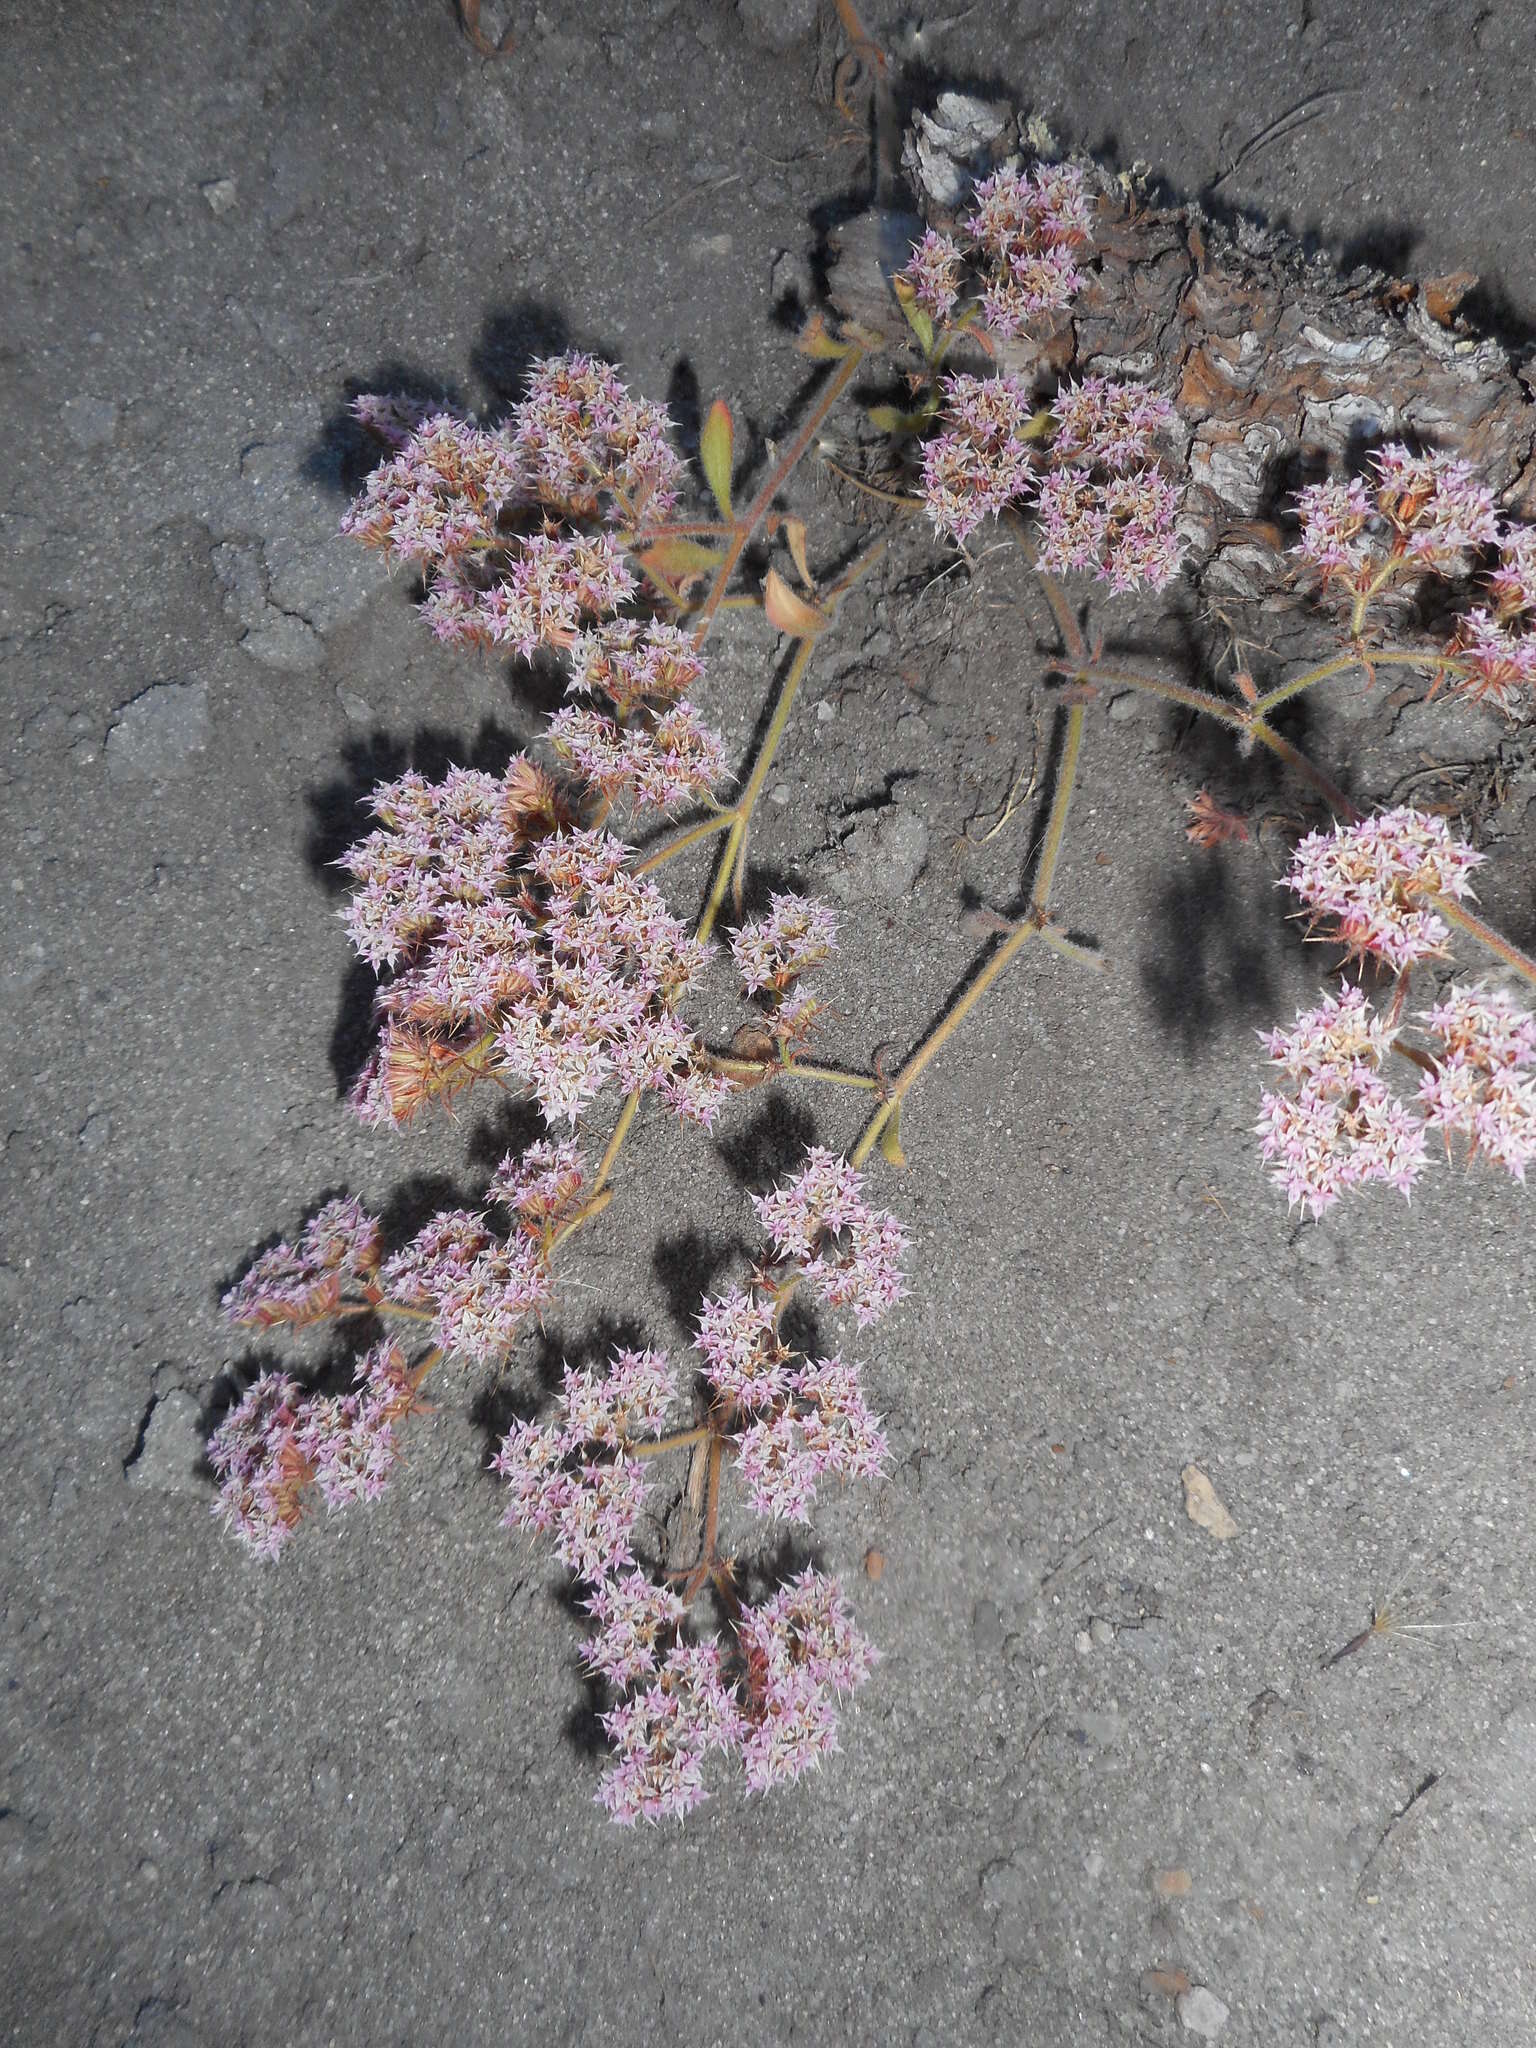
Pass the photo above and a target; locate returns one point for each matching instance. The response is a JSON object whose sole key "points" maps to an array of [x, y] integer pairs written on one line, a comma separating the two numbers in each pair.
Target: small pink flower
{"points": [[934, 271], [773, 951]]}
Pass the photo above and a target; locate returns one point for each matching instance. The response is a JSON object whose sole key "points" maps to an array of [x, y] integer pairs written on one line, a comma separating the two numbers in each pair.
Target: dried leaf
{"points": [[788, 613], [794, 540], [716, 447], [1202, 1506]]}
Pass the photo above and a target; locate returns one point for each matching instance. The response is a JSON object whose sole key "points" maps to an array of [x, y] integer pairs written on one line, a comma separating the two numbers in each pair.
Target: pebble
{"points": [[157, 731], [780, 794], [220, 194], [1082, 1642], [790, 279], [1201, 2012], [1125, 706], [826, 711], [1101, 1631]]}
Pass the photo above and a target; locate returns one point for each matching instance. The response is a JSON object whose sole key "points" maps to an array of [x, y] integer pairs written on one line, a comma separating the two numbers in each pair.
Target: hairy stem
{"points": [[1030, 927]]}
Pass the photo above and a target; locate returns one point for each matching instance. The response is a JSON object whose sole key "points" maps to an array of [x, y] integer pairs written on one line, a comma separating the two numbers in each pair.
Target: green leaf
{"points": [[716, 446], [680, 557], [917, 319], [890, 419], [890, 1139]]}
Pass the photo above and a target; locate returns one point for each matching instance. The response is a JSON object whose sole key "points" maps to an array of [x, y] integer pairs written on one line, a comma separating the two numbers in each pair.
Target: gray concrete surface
{"points": [[347, 1799]]}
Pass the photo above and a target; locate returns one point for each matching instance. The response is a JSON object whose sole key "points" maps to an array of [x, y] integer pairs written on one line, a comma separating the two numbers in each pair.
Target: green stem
{"points": [[741, 811], [1029, 928], [1339, 664], [659, 858], [1457, 914], [653, 1447]]}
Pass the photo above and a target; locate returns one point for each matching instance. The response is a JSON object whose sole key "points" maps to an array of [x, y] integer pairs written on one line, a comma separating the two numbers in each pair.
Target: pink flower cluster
{"points": [[1367, 883], [538, 959], [278, 1443], [1428, 512], [1422, 511], [1104, 508], [584, 444], [1338, 1125], [801, 1653], [850, 1253], [478, 1287], [1342, 1126], [825, 1426], [303, 1283], [1019, 238], [771, 953], [1480, 1086], [1494, 647], [671, 758], [981, 461], [480, 509]]}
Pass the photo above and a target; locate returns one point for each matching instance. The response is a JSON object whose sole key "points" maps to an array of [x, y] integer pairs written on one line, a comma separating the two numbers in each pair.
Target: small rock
{"points": [[219, 193], [780, 794], [826, 711], [157, 731], [90, 422], [1101, 1631], [1126, 705], [1202, 1506], [357, 709], [172, 1450], [777, 24], [1201, 2012], [1082, 1642]]}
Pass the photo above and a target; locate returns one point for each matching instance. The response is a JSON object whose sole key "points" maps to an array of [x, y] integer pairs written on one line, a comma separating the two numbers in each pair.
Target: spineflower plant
{"points": [[525, 944]]}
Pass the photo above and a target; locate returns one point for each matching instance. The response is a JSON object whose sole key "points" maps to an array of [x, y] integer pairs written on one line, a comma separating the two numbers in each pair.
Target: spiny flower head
{"points": [[580, 439], [934, 271], [480, 1289], [663, 1733], [634, 1615], [277, 1442], [671, 758], [1367, 882], [523, 949], [442, 495], [850, 1253], [1480, 1086], [1339, 1125], [1335, 518], [1437, 508], [303, 1283], [773, 951], [746, 1362], [828, 1427], [1108, 425], [1024, 230], [541, 1186], [802, 1652], [634, 662], [980, 461]]}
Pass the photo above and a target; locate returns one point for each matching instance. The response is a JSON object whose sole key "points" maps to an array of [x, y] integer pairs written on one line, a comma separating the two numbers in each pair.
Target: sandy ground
{"points": [[349, 1798]]}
